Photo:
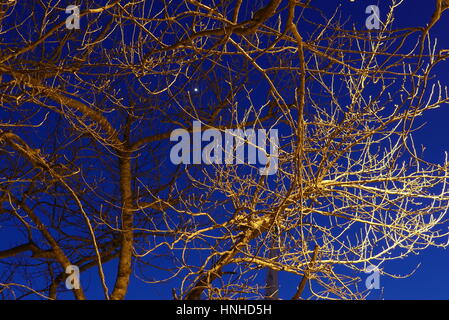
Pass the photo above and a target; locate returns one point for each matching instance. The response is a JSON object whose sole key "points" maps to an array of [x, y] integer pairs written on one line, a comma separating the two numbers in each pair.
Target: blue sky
{"points": [[431, 279]]}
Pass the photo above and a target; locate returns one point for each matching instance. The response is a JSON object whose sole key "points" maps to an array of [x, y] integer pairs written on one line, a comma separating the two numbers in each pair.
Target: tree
{"points": [[87, 117]]}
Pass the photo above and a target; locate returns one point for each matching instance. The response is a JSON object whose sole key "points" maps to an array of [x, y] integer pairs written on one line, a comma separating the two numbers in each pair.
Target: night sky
{"points": [[431, 278]]}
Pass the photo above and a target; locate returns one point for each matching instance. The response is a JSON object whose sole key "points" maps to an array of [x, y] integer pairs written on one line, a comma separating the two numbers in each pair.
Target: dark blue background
{"points": [[431, 279]]}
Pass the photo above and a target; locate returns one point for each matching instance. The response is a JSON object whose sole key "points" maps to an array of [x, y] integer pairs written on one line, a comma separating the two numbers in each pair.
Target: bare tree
{"points": [[86, 121]]}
